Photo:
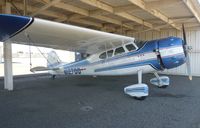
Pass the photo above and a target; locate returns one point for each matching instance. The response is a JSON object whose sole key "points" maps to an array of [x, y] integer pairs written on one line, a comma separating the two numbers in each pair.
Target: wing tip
{"points": [[10, 25]]}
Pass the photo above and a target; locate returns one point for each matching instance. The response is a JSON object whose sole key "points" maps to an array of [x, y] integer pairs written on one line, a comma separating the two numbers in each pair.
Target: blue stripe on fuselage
{"points": [[151, 62], [148, 47], [129, 65], [77, 64]]}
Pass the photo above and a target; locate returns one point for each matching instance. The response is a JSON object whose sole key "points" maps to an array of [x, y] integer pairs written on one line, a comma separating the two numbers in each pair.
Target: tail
{"points": [[53, 59]]}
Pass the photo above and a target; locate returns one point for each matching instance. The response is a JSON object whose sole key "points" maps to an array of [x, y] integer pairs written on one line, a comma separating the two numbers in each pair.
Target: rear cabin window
{"points": [[119, 50], [102, 56], [110, 53], [130, 47]]}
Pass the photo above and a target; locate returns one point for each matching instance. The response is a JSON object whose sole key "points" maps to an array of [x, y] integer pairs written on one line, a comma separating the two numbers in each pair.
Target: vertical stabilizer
{"points": [[53, 59]]}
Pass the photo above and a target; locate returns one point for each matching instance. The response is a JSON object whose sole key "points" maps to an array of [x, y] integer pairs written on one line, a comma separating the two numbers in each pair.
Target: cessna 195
{"points": [[109, 54]]}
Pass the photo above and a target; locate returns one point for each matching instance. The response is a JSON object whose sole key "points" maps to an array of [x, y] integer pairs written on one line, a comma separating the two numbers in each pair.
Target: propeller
{"points": [[186, 50]]}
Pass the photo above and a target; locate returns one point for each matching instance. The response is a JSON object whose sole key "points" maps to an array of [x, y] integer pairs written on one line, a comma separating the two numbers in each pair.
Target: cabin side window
{"points": [[130, 47], [102, 56], [119, 50], [110, 53]]}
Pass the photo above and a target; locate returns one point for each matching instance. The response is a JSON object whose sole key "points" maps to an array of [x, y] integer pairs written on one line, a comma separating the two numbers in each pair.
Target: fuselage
{"points": [[152, 56]]}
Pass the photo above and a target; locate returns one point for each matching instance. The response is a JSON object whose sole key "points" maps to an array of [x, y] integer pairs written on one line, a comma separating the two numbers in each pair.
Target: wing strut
{"points": [[31, 42]]}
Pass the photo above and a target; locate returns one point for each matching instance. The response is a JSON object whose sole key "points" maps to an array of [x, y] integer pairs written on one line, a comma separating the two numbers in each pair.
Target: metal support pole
{"points": [[8, 74], [25, 7], [139, 76], [157, 76], [1, 57]]}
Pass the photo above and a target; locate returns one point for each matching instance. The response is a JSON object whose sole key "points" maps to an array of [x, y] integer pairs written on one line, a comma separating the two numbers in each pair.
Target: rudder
{"points": [[53, 59]]}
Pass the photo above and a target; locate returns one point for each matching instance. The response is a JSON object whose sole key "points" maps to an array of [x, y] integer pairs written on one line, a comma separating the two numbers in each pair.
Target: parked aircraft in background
{"points": [[109, 54]]}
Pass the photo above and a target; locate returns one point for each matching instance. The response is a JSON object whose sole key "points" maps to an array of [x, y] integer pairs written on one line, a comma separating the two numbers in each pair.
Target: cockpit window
{"points": [[102, 56], [110, 53], [130, 47], [119, 50]]}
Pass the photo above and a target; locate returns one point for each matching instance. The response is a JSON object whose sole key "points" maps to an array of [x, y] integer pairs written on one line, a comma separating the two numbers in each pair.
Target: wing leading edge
{"points": [[56, 35]]}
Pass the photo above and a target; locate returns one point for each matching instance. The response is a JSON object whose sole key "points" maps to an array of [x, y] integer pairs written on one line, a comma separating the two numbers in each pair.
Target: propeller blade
{"points": [[186, 50], [189, 72], [184, 35]]}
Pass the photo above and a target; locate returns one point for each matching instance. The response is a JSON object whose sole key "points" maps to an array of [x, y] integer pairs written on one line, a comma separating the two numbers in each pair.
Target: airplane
{"points": [[107, 54]]}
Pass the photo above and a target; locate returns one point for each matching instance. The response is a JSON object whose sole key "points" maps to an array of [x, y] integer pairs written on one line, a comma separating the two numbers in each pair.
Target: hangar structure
{"points": [[142, 19]]}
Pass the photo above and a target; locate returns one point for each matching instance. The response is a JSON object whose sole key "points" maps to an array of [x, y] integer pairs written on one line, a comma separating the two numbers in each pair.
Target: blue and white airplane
{"points": [[108, 54]]}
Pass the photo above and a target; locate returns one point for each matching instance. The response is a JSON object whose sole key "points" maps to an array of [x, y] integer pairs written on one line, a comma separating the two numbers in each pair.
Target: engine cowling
{"points": [[171, 52]]}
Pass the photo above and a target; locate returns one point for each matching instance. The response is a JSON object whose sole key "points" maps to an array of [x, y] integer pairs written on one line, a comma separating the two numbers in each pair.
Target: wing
{"points": [[38, 32]]}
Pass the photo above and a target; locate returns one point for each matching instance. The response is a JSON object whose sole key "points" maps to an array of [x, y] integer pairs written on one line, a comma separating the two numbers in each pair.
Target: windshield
{"points": [[139, 43]]}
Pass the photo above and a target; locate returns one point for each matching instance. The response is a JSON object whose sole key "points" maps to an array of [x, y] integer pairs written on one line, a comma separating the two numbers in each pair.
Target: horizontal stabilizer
{"points": [[41, 68]]}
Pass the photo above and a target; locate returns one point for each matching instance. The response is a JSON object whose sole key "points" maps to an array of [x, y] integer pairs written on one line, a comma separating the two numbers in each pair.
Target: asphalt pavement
{"points": [[88, 102]]}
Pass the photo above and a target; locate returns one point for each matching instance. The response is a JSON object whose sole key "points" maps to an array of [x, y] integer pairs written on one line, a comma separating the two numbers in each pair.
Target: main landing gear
{"points": [[160, 81], [139, 91]]}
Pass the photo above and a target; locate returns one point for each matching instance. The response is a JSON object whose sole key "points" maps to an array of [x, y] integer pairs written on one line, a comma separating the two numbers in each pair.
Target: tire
{"points": [[140, 98], [164, 86]]}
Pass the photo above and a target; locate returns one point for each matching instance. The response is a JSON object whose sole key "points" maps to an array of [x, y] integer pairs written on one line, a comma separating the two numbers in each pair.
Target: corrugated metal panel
{"points": [[193, 39]]}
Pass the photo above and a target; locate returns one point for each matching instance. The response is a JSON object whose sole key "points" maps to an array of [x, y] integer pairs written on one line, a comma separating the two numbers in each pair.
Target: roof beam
{"points": [[86, 13], [162, 3], [98, 4], [45, 12], [99, 12], [110, 9], [78, 19], [131, 8], [135, 19], [116, 10], [192, 5], [45, 1], [58, 16], [111, 20], [80, 13], [154, 12], [53, 2], [89, 23], [75, 17], [72, 8]]}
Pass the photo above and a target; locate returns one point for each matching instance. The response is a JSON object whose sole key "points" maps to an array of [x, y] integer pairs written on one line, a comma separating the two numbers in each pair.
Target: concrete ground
{"points": [[87, 102]]}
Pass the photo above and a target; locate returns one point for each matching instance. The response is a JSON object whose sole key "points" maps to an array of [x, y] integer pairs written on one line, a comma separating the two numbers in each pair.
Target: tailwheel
{"points": [[53, 77]]}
